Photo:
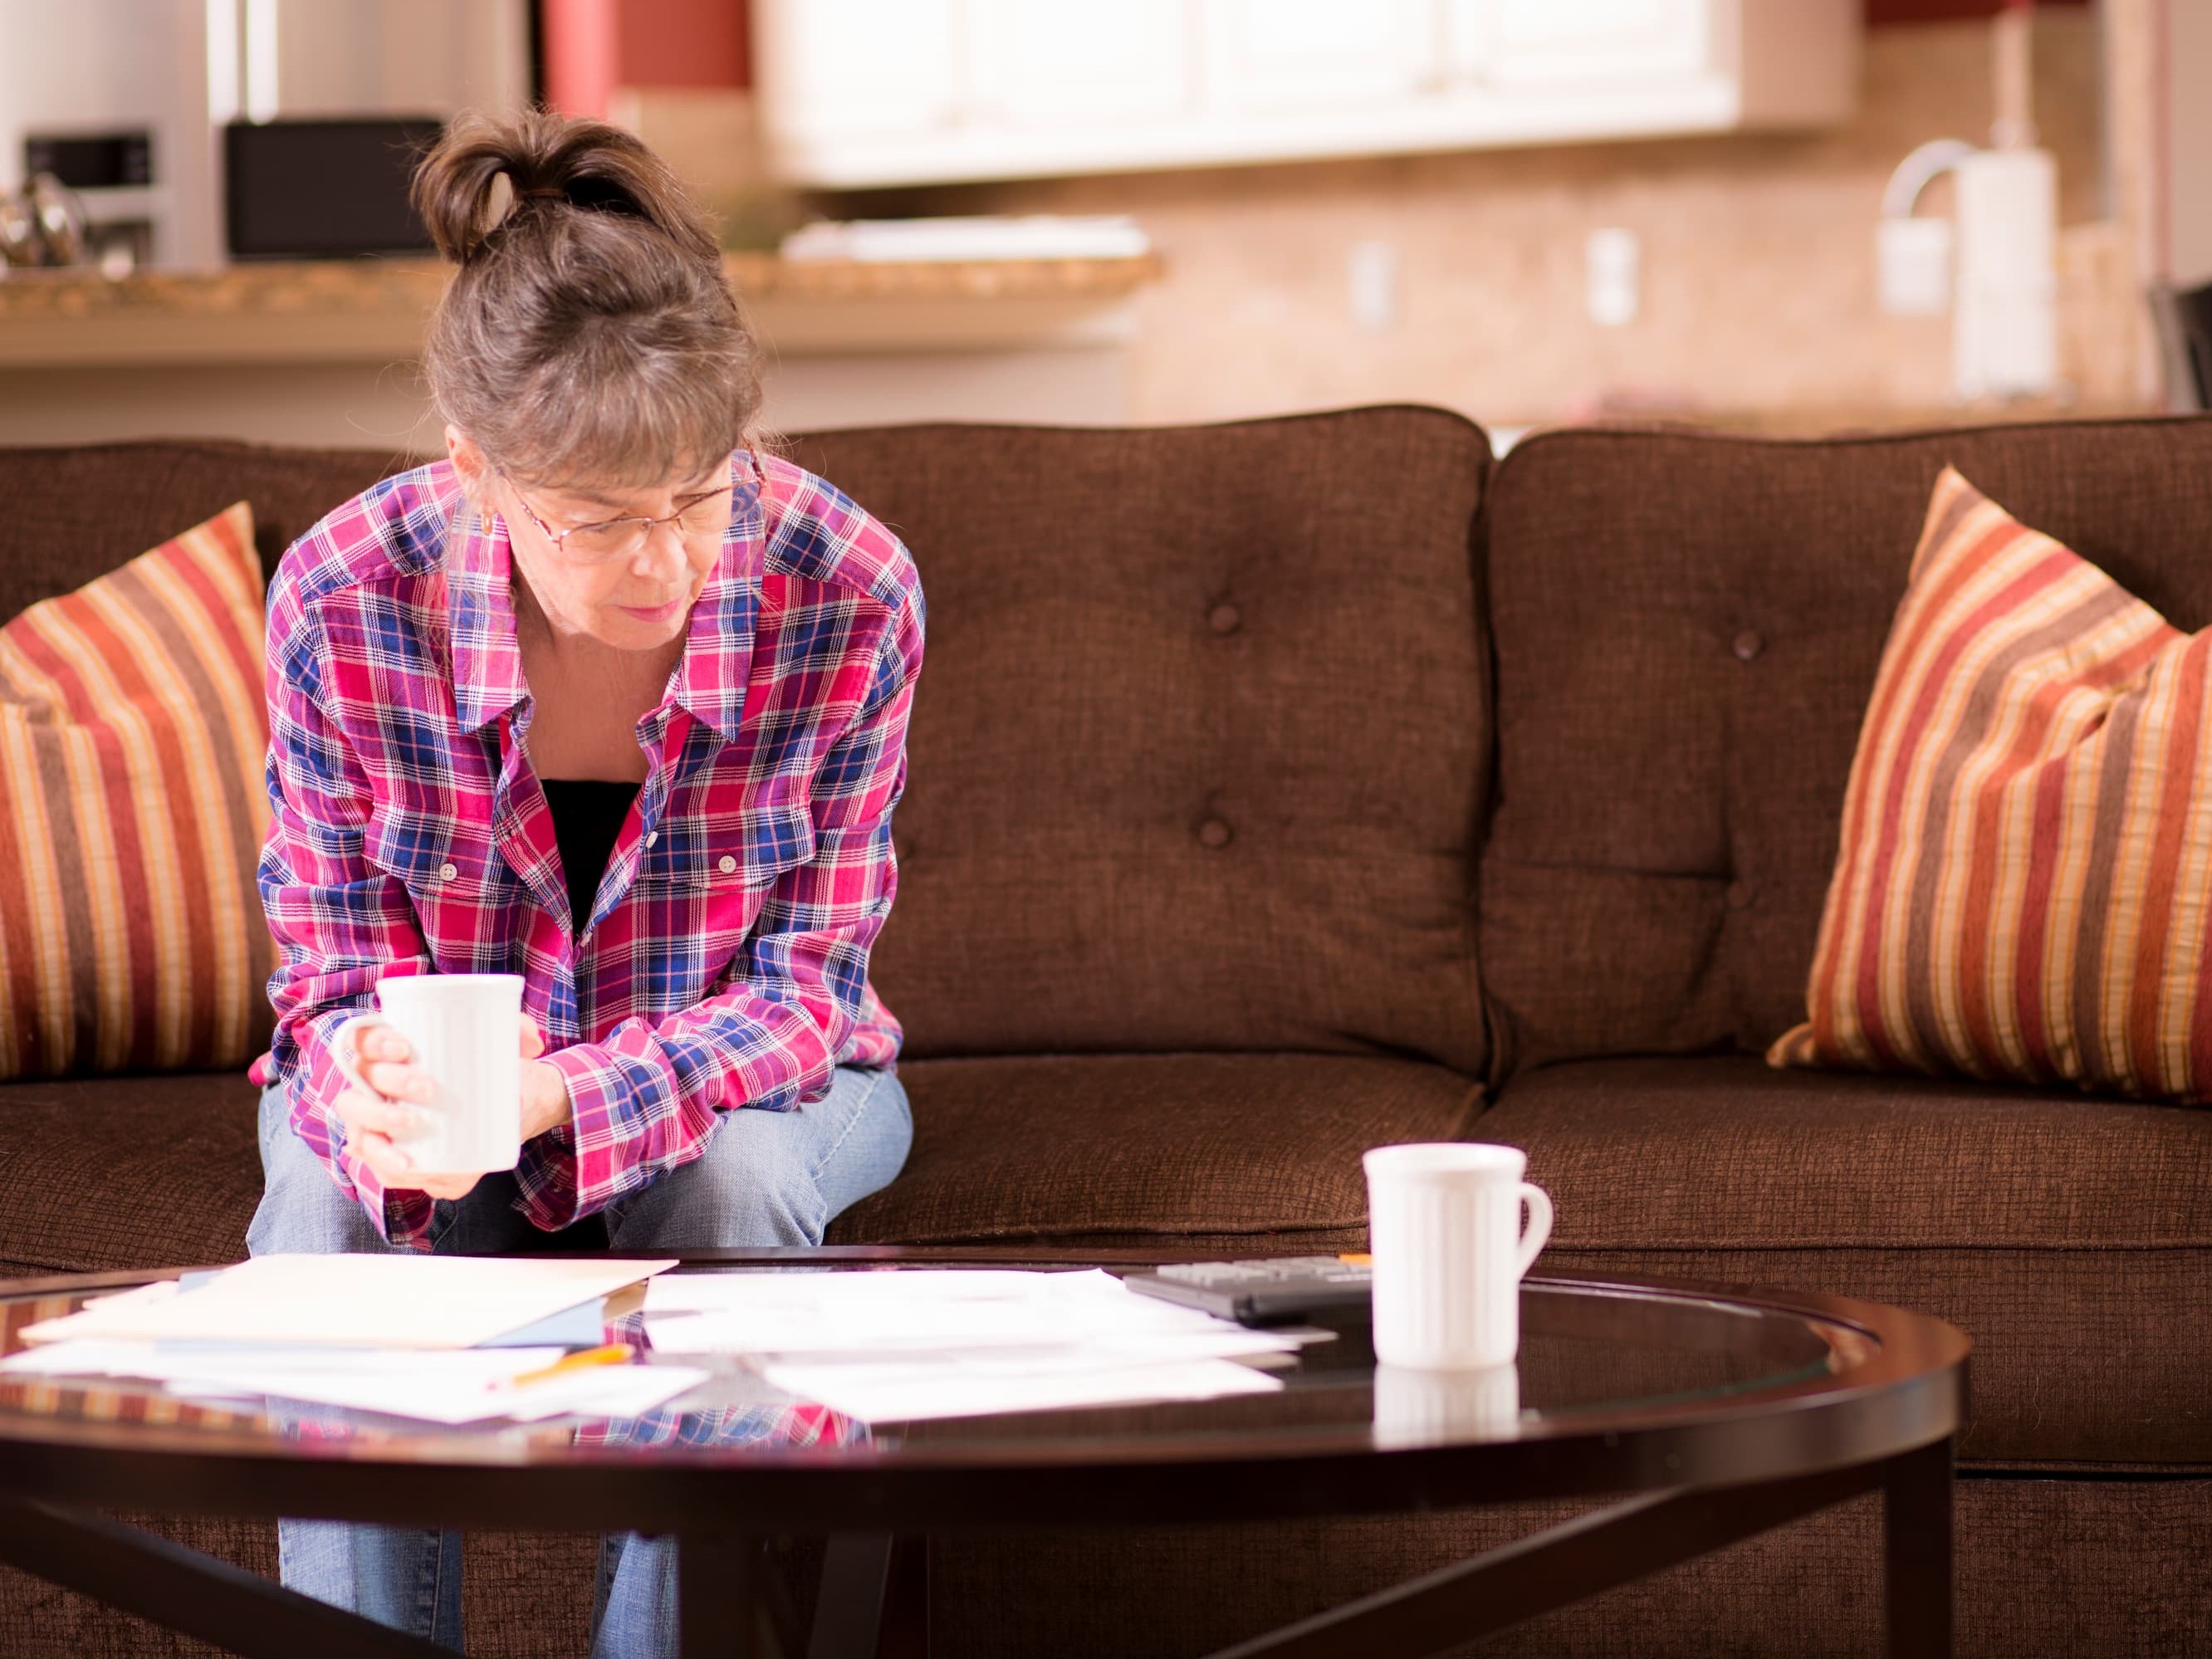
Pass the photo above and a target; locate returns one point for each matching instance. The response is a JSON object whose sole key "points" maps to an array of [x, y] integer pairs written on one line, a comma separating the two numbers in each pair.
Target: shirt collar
{"points": [[710, 676]]}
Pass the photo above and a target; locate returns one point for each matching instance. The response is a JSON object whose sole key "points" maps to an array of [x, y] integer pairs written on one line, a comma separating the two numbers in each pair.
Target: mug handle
{"points": [[1540, 1228], [346, 1056]]}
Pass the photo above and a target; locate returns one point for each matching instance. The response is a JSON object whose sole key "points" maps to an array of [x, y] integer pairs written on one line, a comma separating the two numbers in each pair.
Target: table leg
{"points": [[1918, 1590], [848, 1612], [718, 1597], [158, 1579], [874, 1600], [1442, 1610], [906, 1601]]}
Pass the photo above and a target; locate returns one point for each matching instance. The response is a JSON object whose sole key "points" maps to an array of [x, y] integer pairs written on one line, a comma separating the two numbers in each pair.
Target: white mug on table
{"points": [[1419, 1407], [1444, 1228], [462, 1028]]}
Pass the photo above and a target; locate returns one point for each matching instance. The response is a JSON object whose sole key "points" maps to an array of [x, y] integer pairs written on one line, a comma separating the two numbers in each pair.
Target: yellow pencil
{"points": [[613, 1353]]}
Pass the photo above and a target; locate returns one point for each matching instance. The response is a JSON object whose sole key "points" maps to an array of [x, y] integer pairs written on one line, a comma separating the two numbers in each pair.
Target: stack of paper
{"points": [[913, 1344], [402, 1335], [1032, 236]]}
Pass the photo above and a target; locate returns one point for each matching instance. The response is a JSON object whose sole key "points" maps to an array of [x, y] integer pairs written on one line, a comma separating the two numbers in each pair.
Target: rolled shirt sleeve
{"points": [[339, 923]]}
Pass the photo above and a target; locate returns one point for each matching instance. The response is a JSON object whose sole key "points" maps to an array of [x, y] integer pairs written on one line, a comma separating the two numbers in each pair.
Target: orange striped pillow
{"points": [[2024, 889], [133, 734]]}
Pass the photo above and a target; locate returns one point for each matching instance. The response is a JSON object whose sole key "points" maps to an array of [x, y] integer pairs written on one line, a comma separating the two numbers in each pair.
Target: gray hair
{"points": [[589, 335]]}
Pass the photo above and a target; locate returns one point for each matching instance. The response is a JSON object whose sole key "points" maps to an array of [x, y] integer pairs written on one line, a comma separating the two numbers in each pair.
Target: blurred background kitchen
{"points": [[1782, 216]]}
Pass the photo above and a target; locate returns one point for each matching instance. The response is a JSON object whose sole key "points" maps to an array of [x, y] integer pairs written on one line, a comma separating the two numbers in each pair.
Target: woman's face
{"points": [[623, 584]]}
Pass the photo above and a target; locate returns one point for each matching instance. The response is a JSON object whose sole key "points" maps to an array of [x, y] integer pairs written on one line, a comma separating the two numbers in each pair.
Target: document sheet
{"points": [[468, 1385], [353, 1300], [918, 1343]]}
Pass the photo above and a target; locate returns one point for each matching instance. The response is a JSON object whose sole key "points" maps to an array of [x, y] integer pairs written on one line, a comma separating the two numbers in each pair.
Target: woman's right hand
{"points": [[391, 1108]]}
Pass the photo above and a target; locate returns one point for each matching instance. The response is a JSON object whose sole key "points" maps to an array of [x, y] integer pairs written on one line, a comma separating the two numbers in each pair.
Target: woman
{"points": [[609, 700]]}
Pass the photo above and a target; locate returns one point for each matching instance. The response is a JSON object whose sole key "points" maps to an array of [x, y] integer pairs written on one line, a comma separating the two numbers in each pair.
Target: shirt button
{"points": [[651, 837], [729, 866], [448, 871]]}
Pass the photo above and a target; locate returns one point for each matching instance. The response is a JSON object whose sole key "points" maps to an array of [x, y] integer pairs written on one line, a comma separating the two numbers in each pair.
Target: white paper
{"points": [[463, 1386], [917, 1343], [911, 1394], [1027, 236], [394, 1301], [921, 1311]]}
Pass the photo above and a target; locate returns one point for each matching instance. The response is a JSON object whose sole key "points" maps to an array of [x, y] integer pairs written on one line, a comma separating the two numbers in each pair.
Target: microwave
{"points": [[132, 103]]}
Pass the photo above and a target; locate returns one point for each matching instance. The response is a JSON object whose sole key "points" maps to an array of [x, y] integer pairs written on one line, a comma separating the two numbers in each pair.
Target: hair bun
{"points": [[538, 154]]}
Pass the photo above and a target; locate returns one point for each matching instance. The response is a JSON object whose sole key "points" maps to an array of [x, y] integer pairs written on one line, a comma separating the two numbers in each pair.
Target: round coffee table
{"points": [[1712, 1414]]}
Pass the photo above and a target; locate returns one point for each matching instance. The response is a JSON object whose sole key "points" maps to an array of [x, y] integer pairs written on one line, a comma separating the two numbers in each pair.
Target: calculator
{"points": [[1275, 1290]]}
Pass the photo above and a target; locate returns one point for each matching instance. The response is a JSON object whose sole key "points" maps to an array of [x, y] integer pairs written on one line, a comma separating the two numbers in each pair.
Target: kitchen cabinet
{"points": [[1078, 66], [1544, 42], [1285, 56], [861, 93], [863, 72]]}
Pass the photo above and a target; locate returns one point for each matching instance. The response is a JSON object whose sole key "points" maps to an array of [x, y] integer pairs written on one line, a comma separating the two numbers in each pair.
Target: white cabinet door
{"points": [[1306, 54], [1058, 63], [1544, 42], [877, 67]]}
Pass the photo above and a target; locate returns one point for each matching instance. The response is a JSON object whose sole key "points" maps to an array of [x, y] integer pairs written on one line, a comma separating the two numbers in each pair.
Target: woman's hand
{"points": [[393, 1108]]}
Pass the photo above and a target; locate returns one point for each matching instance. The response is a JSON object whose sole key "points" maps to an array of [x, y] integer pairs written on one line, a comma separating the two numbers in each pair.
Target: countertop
{"points": [[351, 309]]}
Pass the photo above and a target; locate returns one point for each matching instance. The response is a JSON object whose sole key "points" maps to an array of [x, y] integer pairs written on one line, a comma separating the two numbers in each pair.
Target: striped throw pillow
{"points": [[133, 729], [2024, 888]]}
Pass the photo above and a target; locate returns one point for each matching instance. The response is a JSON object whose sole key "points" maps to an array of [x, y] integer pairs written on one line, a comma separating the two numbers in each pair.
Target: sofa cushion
{"points": [[1198, 1148], [1686, 629], [132, 736], [2071, 1237], [1198, 756], [77, 511], [2015, 895], [113, 1172], [99, 1173]]}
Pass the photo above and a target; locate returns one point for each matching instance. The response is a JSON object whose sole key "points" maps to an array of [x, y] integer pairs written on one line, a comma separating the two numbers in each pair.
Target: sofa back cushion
{"points": [[76, 512], [132, 729], [1686, 630], [1198, 755]]}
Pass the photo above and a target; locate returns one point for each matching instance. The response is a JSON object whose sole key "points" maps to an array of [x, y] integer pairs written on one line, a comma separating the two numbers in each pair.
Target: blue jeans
{"points": [[765, 1178]]}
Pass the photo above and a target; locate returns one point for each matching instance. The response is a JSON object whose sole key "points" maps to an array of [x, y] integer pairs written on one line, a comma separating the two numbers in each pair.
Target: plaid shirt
{"points": [[725, 963]]}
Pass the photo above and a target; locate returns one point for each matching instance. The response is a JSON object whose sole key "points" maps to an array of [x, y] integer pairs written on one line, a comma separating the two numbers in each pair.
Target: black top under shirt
{"points": [[587, 817]]}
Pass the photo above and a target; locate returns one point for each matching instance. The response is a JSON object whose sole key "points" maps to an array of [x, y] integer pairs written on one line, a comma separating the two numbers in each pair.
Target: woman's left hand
{"points": [[545, 1090]]}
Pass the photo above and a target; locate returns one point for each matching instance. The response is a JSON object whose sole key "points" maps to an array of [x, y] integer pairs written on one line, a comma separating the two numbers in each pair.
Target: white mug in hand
{"points": [[466, 1030], [1444, 1226]]}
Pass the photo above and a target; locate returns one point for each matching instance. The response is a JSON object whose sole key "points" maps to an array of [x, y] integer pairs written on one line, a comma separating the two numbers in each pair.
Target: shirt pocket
{"points": [[746, 851], [455, 881], [702, 883]]}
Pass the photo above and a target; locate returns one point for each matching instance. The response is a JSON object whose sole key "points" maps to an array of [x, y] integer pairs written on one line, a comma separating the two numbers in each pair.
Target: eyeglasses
{"points": [[701, 516]]}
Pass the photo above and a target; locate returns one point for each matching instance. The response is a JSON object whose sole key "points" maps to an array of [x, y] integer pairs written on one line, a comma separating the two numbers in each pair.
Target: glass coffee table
{"points": [[1708, 1415]]}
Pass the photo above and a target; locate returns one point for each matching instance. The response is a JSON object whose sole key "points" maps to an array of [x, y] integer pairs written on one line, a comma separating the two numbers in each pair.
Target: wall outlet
{"points": [[1614, 259], [1371, 282]]}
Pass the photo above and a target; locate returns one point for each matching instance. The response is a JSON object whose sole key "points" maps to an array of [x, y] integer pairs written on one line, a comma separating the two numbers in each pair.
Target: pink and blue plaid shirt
{"points": [[725, 963]]}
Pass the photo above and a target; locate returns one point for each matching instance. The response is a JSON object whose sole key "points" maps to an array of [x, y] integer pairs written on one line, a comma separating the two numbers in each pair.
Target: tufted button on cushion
{"points": [[1747, 645], [1214, 833], [1072, 648], [1224, 619]]}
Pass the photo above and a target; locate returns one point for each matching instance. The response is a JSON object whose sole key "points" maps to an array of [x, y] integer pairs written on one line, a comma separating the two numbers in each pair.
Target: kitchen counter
{"points": [[357, 310]]}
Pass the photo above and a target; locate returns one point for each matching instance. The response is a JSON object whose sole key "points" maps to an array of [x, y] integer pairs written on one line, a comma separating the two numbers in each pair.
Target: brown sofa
{"points": [[1283, 788]]}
